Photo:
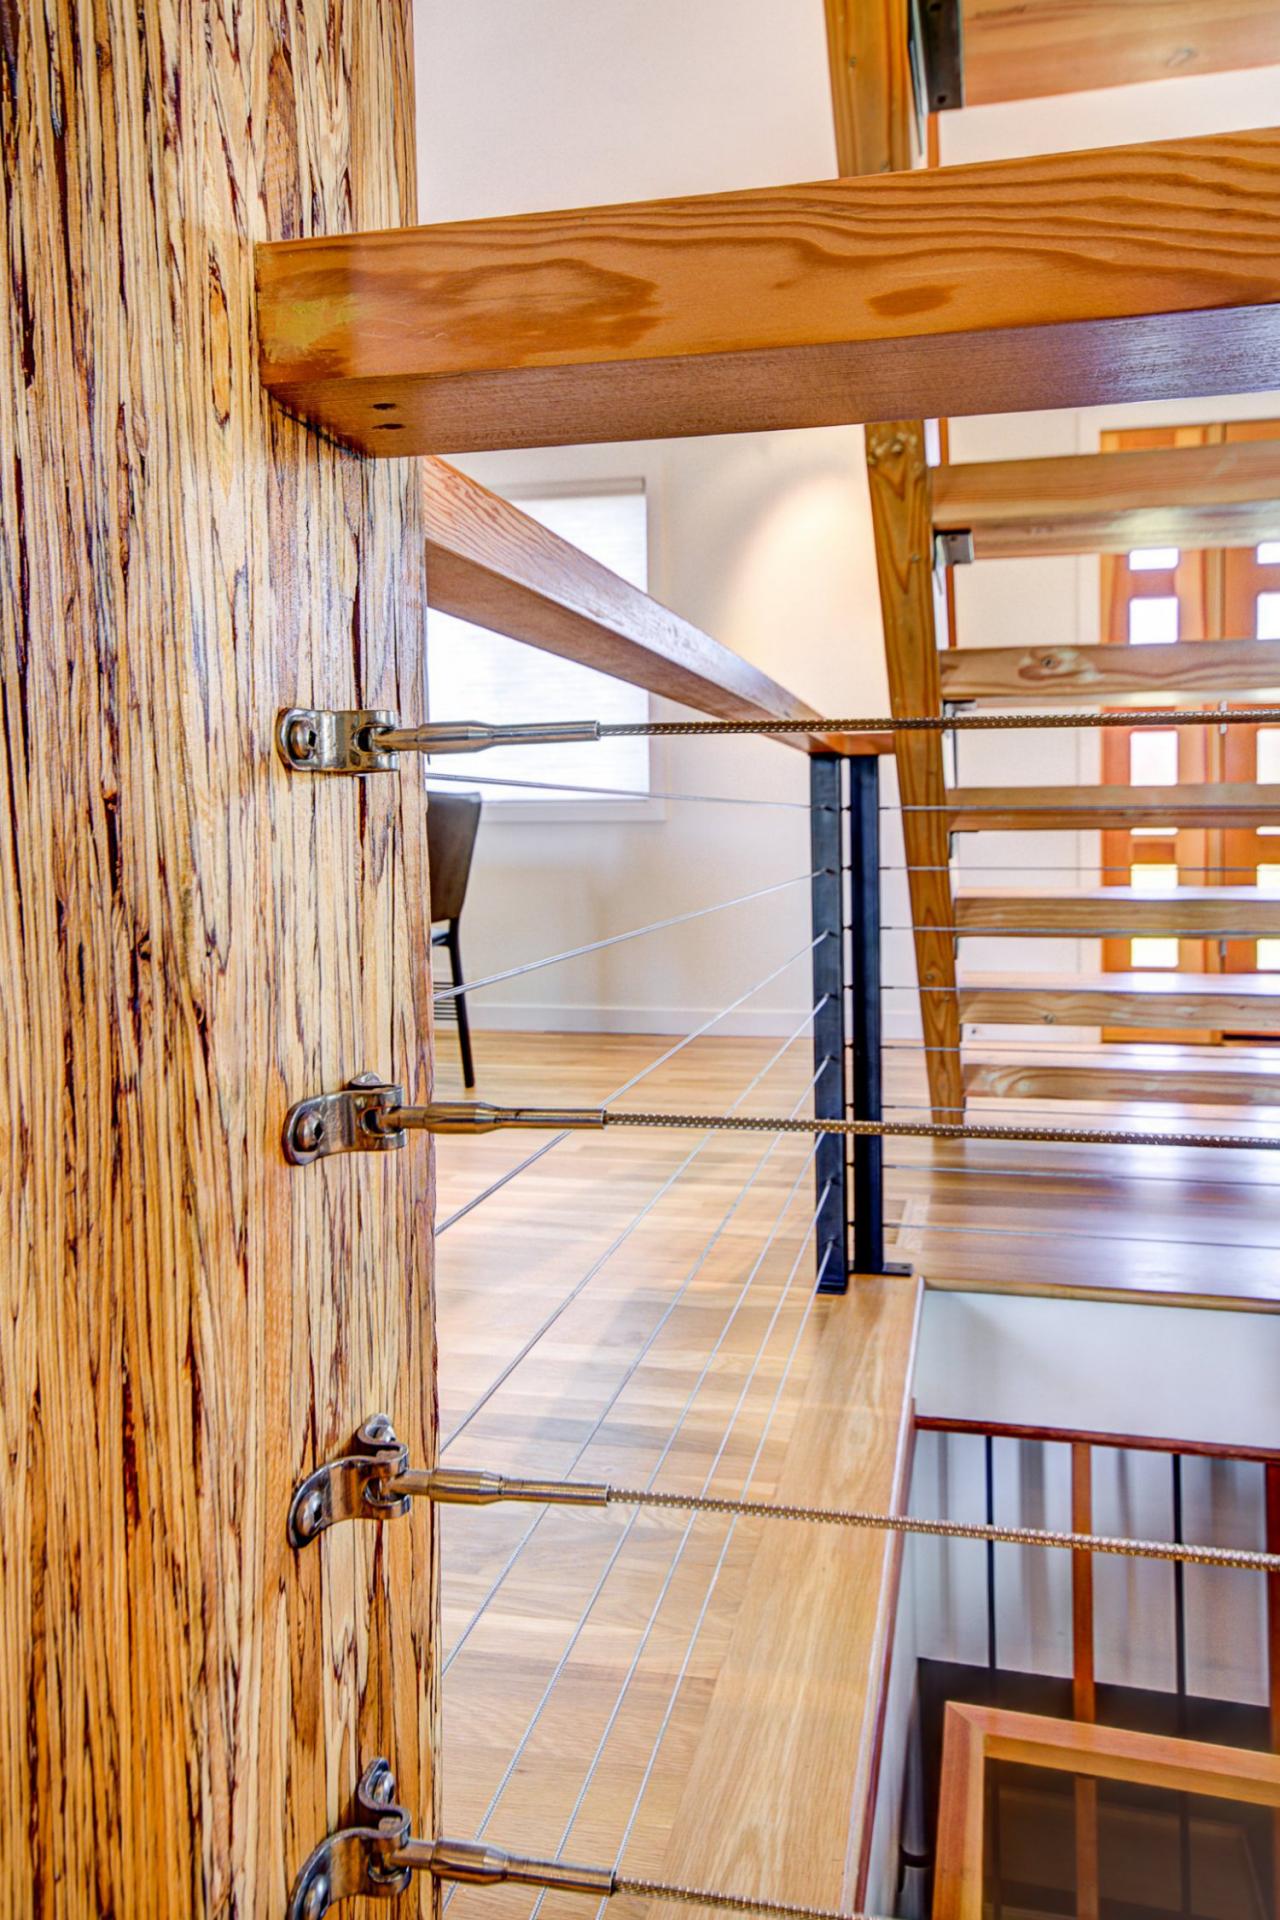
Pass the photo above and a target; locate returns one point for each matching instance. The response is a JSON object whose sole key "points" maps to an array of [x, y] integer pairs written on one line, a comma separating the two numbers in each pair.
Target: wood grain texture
{"points": [[1064, 46], [898, 478], [1100, 674], [1114, 274], [1218, 912], [872, 90], [1043, 809], [1181, 1085], [768, 1800], [975, 1735], [1212, 496], [492, 564], [1173, 1000], [189, 940]]}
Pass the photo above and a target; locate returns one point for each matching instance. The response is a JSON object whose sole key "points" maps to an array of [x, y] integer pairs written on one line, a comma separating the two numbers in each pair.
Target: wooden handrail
{"points": [[489, 563], [1123, 1442]]}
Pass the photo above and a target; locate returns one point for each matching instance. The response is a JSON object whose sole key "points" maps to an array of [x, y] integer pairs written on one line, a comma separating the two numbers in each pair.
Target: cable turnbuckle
{"points": [[369, 1116], [375, 1482], [368, 740], [378, 1854]]}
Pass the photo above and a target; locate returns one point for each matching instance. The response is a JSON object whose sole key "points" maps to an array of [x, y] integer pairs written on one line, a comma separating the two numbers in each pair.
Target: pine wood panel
{"points": [[1211, 496], [190, 939], [1114, 274], [492, 564], [1065, 46], [899, 486], [872, 89], [1124, 1000], [1100, 674], [1225, 804], [1182, 1085], [1217, 912]]}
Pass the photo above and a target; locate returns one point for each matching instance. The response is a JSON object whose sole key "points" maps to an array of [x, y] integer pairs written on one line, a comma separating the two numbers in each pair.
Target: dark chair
{"points": [[452, 822]]}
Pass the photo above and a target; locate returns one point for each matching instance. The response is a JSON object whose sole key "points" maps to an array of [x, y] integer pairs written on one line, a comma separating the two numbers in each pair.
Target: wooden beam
{"points": [[1218, 913], [872, 91], [489, 563], [1243, 1003], [1043, 47], [1192, 497], [899, 482], [1180, 1085], [1101, 674], [1046, 809], [1125, 273]]}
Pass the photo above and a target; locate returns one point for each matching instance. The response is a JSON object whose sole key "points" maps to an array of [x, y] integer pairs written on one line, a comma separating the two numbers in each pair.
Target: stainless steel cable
{"points": [[615, 939], [619, 793], [1191, 1555], [1258, 716], [628, 1529], [734, 1902], [612, 1720], [941, 1130], [687, 1040], [625, 1235]]}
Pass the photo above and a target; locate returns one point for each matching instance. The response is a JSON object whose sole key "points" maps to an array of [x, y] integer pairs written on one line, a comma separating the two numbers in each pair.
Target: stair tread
{"points": [[1123, 896], [1079, 798], [1171, 984]]}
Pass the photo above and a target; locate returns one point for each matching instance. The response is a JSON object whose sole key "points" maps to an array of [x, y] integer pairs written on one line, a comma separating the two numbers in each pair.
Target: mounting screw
{"points": [[301, 739], [379, 1431], [382, 1789], [308, 1132]]}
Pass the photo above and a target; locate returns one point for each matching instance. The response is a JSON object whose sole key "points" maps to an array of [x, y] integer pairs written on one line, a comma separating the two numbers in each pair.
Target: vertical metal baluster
{"points": [[831, 1246], [864, 975]]}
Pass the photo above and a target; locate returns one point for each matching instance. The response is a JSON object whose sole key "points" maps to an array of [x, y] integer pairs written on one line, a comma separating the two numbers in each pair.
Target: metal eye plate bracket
{"points": [[316, 740], [355, 1859], [339, 1122], [354, 1487]]}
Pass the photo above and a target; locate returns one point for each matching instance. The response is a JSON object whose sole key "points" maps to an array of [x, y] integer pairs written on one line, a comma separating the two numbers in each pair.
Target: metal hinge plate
{"points": [[340, 1122], [315, 740], [356, 1859], [953, 547], [352, 1488]]}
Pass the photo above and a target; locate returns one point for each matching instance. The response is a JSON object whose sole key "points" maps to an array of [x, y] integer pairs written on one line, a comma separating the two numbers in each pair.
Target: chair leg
{"points": [[460, 1005]]}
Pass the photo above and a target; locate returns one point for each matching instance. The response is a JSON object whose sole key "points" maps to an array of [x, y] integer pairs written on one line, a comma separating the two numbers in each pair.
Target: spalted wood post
{"points": [[190, 938]]}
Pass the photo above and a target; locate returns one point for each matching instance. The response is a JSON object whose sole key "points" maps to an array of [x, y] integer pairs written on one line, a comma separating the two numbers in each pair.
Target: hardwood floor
{"points": [[691, 1352]]}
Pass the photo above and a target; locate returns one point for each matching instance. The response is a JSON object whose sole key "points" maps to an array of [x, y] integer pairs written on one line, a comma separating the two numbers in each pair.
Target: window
{"points": [[1268, 752], [478, 675], [1153, 623], [1267, 624], [1153, 758], [1268, 554], [1153, 559]]}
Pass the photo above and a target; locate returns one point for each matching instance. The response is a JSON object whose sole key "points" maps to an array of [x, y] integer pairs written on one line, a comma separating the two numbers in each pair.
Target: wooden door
{"points": [[1209, 595], [191, 938]]}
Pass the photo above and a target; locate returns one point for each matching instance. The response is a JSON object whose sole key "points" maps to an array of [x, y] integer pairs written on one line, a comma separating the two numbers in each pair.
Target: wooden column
{"points": [[899, 481], [873, 99], [190, 938]]}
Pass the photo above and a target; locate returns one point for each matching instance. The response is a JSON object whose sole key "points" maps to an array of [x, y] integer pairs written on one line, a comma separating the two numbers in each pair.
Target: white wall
{"points": [[761, 539], [764, 540]]}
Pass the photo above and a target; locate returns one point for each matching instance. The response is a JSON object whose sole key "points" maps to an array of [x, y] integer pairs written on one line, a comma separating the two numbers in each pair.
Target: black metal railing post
{"points": [[864, 984], [831, 1164]]}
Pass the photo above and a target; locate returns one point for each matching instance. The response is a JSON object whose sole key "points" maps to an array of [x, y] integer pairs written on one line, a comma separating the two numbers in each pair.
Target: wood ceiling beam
{"points": [[1125, 273], [1191, 497], [1042, 47], [489, 563]]}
